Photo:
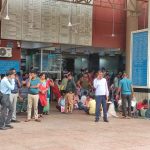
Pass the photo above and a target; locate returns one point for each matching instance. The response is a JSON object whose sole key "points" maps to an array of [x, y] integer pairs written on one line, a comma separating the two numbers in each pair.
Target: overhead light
{"points": [[69, 24]]}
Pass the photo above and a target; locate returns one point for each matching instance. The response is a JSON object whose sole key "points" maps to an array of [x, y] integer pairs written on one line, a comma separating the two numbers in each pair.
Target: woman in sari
{"points": [[43, 88]]}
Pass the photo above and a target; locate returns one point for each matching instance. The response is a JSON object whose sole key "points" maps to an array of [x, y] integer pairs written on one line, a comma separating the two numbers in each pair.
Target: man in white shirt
{"points": [[101, 94]]}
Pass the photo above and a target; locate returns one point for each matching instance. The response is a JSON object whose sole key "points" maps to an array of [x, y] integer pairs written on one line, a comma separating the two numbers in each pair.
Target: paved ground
{"points": [[77, 131]]}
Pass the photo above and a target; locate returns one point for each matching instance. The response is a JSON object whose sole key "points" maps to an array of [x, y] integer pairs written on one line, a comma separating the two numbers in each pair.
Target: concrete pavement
{"points": [[76, 131]]}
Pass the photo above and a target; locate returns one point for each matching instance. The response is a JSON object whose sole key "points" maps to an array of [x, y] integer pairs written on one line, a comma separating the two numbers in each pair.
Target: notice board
{"points": [[5, 65], [139, 58]]}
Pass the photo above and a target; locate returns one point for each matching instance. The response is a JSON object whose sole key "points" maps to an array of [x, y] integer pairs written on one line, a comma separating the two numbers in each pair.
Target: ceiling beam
{"points": [[113, 5]]}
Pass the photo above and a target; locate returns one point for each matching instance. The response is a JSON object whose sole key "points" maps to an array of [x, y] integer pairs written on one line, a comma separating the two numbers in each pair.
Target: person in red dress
{"points": [[54, 88], [43, 88]]}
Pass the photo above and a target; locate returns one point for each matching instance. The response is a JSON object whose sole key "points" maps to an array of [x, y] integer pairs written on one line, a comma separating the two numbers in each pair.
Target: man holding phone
{"points": [[101, 94], [7, 84], [14, 96], [33, 95]]}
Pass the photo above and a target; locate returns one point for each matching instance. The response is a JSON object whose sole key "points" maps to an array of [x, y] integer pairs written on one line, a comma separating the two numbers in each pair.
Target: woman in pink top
{"points": [[43, 88]]}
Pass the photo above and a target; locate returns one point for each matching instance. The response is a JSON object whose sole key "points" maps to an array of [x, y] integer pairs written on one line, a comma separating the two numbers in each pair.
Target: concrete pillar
{"points": [[149, 48], [149, 15], [149, 45], [131, 25]]}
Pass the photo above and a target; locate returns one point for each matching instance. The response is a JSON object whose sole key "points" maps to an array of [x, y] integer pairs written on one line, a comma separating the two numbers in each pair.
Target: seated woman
{"points": [[81, 102], [142, 106]]}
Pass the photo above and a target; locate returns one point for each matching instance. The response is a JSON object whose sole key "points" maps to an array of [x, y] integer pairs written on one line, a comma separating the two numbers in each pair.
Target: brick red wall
{"points": [[16, 52], [102, 25]]}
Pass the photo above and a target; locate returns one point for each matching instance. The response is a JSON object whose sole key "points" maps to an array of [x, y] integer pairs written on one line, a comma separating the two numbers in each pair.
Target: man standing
{"points": [[14, 96], [7, 84], [126, 89], [101, 94], [33, 96], [84, 83]]}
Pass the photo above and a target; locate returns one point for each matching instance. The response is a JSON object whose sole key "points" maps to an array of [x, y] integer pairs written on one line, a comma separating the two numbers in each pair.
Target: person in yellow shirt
{"points": [[90, 106]]}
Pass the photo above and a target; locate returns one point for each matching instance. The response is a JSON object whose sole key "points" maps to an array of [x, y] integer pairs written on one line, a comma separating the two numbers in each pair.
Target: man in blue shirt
{"points": [[7, 84], [126, 89], [33, 95]]}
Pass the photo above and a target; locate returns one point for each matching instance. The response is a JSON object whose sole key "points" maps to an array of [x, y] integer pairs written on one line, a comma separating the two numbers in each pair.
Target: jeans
{"points": [[6, 110], [126, 99], [101, 99], [86, 109]]}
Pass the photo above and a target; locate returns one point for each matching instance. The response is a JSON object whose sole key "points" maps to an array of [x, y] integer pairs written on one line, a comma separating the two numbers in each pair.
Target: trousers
{"points": [[33, 101], [13, 100], [6, 110], [101, 99], [126, 99]]}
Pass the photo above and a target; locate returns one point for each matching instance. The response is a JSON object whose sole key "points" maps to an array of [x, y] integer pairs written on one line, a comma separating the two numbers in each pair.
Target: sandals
{"points": [[37, 120], [27, 120]]}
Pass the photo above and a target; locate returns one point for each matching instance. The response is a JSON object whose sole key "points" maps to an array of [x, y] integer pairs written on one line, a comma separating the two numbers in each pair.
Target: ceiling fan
{"points": [[112, 34], [7, 16], [70, 24]]}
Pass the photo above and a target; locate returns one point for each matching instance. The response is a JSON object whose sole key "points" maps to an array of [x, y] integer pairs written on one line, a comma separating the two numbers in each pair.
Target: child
{"points": [[76, 101], [62, 103], [69, 102]]}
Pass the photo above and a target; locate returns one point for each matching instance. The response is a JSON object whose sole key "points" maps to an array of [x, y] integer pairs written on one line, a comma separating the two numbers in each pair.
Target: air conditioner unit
{"points": [[5, 52]]}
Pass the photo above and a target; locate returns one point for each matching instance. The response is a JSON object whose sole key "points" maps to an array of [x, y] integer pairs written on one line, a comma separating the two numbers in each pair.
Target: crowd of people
{"points": [[86, 91]]}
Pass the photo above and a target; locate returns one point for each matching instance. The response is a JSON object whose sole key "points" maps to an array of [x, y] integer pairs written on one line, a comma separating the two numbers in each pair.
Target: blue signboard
{"points": [[140, 58], [5, 65]]}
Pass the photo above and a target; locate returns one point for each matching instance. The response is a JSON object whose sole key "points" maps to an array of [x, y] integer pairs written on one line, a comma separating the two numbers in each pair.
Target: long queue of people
{"points": [[87, 91]]}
